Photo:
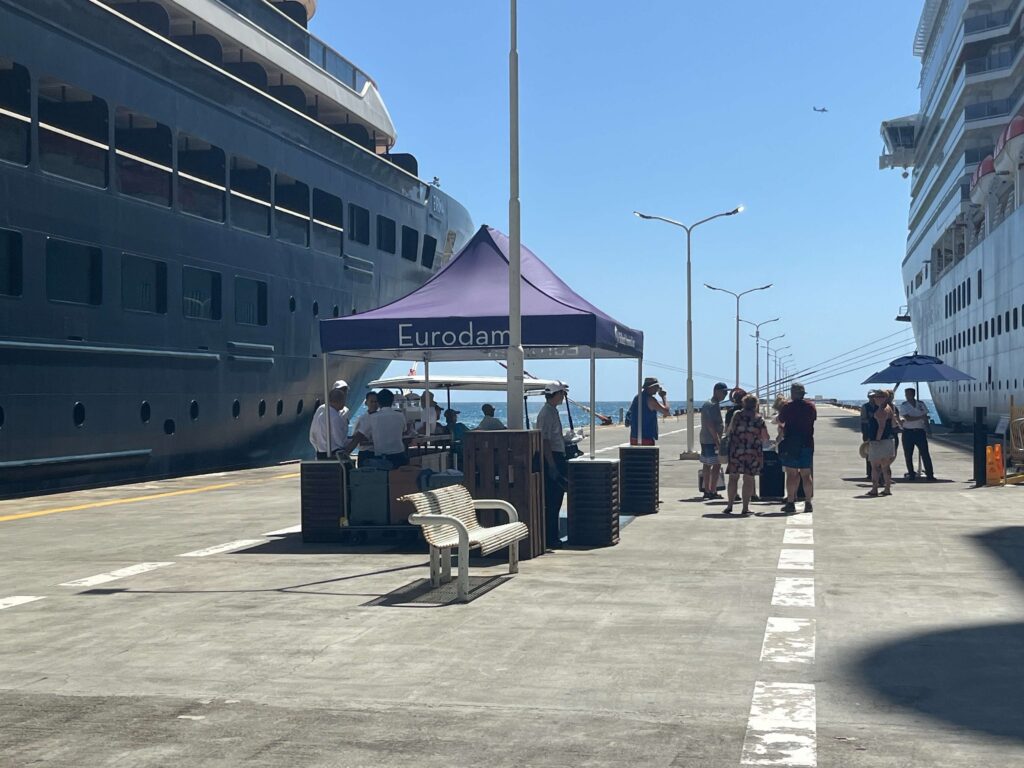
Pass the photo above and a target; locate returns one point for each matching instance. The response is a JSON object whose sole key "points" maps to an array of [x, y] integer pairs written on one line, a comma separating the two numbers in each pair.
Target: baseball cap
{"points": [[452, 411], [651, 381], [554, 389], [721, 385], [340, 384]]}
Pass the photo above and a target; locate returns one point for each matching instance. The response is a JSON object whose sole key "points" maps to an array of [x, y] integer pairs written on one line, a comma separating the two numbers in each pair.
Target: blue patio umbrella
{"points": [[918, 368]]}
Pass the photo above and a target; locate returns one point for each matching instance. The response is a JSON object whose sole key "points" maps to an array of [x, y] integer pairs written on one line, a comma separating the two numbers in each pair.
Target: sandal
{"points": [[873, 492], [886, 492], [727, 510]]}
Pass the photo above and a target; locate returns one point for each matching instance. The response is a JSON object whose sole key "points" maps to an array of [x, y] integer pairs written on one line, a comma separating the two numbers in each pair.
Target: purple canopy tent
{"points": [[461, 313]]}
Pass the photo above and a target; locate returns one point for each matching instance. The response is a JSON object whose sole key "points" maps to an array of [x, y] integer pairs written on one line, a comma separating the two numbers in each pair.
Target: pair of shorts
{"points": [[708, 453], [803, 461], [880, 450]]}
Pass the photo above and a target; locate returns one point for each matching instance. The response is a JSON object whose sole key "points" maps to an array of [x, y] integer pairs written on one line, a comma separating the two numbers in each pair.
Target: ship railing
{"points": [[994, 61], [301, 41], [986, 21]]}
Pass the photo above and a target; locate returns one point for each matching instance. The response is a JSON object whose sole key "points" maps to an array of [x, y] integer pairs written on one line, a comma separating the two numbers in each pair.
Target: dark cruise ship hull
{"points": [[92, 392]]}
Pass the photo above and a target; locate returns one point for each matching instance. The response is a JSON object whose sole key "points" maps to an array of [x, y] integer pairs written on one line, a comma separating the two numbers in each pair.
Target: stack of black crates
{"points": [[640, 478], [324, 493], [593, 502]]}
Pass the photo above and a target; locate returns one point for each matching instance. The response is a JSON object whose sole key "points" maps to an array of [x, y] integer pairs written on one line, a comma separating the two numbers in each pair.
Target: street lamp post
{"points": [[757, 351], [778, 368], [768, 365], [738, 296], [515, 354], [689, 314]]}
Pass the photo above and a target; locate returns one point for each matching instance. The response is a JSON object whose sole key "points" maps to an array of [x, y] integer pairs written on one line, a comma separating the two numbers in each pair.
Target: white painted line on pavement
{"points": [[220, 549], [801, 519], [788, 641], [10, 602], [796, 559], [782, 729], [285, 531], [798, 536], [121, 573], [626, 445], [793, 592]]}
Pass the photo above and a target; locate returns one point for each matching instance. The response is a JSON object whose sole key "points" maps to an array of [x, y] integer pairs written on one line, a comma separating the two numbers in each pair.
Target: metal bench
{"points": [[448, 517]]}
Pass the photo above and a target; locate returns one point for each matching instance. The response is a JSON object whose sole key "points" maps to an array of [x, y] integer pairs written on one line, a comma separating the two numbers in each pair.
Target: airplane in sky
{"points": [[820, 109]]}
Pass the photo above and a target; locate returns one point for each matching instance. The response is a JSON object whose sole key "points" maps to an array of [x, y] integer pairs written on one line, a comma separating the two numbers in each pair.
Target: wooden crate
{"points": [[509, 465]]}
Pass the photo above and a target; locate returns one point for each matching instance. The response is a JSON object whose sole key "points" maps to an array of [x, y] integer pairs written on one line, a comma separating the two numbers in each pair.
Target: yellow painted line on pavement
{"points": [[114, 502], [285, 477]]}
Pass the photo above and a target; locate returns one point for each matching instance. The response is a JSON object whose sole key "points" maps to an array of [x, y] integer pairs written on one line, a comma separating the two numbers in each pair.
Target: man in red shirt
{"points": [[796, 451]]}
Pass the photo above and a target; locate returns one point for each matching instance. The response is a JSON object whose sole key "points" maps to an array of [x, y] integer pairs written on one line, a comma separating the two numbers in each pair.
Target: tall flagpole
{"points": [[515, 335]]}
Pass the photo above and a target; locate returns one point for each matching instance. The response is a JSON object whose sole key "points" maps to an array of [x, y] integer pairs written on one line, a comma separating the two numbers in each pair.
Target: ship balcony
{"points": [[984, 23], [997, 61]]}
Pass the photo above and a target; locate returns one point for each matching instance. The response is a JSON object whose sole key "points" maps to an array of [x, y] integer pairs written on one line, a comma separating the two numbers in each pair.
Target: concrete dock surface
{"points": [[180, 623]]}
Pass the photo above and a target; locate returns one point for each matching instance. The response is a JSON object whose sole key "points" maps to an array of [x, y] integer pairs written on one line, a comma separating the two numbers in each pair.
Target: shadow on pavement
{"points": [[971, 677]]}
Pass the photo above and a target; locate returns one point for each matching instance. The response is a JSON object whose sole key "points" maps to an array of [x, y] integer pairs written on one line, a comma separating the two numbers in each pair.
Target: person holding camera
{"points": [[649, 433]]}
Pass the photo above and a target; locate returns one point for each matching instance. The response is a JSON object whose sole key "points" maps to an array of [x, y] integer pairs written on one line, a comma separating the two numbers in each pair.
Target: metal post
{"points": [[757, 363], [639, 397], [980, 443], [327, 404], [689, 354], [428, 407], [514, 397], [593, 398]]}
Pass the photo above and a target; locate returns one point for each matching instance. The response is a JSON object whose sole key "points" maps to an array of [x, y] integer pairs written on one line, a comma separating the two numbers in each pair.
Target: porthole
{"points": [[291, 304], [78, 413], [316, 309], [193, 410], [280, 407], [336, 312], [298, 408], [1, 417], [145, 412], [169, 427], [263, 408], [236, 409]]}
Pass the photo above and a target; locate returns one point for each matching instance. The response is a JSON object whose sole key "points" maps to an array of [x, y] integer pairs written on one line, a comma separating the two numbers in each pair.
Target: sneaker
{"points": [[727, 510], [808, 507], [789, 507]]}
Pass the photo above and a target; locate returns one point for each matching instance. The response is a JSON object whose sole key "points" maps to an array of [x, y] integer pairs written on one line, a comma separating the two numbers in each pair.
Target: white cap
{"points": [[554, 389], [340, 384]]}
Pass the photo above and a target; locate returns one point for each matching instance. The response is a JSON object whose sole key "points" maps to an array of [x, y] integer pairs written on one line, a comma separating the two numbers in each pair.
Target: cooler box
{"points": [[368, 497]]}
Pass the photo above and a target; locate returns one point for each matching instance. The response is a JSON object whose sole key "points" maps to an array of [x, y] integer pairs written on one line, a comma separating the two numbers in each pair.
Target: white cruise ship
{"points": [[963, 273]]}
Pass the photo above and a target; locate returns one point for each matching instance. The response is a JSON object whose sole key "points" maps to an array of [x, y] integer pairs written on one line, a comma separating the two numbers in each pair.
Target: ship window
{"points": [[250, 196], [74, 272], [143, 284], [145, 412], [291, 210], [250, 301], [1007, 321], [999, 325], [10, 263], [298, 408], [410, 243], [200, 293], [73, 140], [979, 283], [262, 408], [386, 234], [291, 303], [236, 409], [968, 291], [78, 414], [358, 224], [169, 427], [15, 112], [201, 175], [142, 155], [1015, 318], [193, 410], [429, 250], [328, 214], [280, 407]]}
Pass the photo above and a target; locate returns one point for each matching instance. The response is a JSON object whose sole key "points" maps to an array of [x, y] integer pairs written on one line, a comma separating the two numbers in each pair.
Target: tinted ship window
{"points": [[201, 178], [358, 224], [15, 112], [410, 243], [72, 132], [291, 210], [143, 284], [250, 301], [429, 249], [328, 214], [200, 293], [142, 152], [10, 263], [250, 196], [386, 240], [74, 272]]}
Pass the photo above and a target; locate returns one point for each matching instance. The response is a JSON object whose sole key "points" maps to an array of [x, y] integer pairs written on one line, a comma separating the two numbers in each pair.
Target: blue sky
{"points": [[683, 110]]}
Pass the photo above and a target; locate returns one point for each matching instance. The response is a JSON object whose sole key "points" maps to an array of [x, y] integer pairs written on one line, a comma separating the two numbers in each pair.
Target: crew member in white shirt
{"points": [[386, 429], [914, 415], [555, 468], [366, 447], [337, 407]]}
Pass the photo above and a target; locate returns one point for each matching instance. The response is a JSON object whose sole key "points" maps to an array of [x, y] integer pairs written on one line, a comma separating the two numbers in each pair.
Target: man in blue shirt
{"points": [[649, 434]]}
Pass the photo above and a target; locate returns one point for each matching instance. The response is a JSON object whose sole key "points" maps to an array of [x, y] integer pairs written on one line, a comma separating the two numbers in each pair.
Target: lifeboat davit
{"points": [[1010, 146], [981, 182]]}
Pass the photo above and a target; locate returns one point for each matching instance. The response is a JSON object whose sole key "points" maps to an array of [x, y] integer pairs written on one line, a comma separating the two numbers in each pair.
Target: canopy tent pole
{"points": [[593, 390], [327, 404], [515, 353], [526, 413], [639, 400], [428, 407]]}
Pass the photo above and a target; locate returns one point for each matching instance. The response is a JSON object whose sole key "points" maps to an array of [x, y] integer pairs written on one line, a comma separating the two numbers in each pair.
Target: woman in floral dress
{"points": [[747, 436]]}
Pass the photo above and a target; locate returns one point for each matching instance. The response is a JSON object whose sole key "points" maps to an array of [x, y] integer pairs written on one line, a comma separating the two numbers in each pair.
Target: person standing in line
{"points": [[747, 437], [796, 451], [387, 430], [366, 447], [651, 388], [914, 414], [489, 422], [337, 408], [879, 431], [711, 439], [555, 468]]}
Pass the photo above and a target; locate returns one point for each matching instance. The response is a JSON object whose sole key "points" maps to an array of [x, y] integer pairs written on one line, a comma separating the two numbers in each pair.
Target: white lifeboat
{"points": [[981, 182], [1010, 146]]}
